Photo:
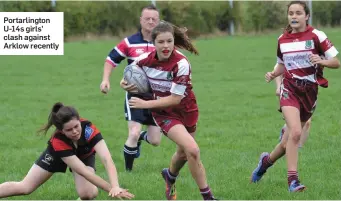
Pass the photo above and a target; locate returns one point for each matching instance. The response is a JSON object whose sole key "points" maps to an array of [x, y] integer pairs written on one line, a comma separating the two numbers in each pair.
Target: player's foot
{"points": [[295, 186], [212, 198], [170, 186], [137, 155], [258, 173]]}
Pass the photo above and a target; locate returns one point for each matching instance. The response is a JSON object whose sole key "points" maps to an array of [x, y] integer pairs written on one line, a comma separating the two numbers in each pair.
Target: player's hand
{"points": [[278, 91], [130, 88], [269, 76], [105, 86], [120, 193], [315, 59], [135, 102]]}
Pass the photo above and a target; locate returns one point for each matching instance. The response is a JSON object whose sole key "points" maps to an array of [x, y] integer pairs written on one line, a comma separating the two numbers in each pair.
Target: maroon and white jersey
{"points": [[171, 76], [294, 49]]}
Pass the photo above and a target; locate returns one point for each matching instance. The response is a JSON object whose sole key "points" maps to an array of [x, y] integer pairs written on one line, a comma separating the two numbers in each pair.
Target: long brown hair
{"points": [[288, 28], [59, 115], [181, 39]]}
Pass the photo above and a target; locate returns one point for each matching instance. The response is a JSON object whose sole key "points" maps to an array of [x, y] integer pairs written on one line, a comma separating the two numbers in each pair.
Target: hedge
{"points": [[116, 17]]}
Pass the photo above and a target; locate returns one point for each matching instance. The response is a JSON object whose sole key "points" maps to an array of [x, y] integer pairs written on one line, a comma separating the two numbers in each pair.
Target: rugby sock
{"points": [[206, 193], [171, 176], [266, 162], [292, 175], [144, 136], [129, 156]]}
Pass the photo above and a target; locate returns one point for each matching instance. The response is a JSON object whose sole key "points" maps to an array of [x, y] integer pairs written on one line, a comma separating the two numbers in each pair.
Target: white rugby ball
{"points": [[133, 74]]}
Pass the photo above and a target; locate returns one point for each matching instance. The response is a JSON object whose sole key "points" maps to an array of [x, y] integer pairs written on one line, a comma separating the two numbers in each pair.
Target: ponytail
{"points": [[288, 29], [181, 39], [52, 118]]}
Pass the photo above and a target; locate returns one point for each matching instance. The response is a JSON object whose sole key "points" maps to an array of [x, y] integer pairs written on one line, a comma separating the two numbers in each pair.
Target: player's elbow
{"points": [[338, 63], [334, 63]]}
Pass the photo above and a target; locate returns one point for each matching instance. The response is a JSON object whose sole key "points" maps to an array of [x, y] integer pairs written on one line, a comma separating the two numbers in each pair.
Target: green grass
{"points": [[238, 121]]}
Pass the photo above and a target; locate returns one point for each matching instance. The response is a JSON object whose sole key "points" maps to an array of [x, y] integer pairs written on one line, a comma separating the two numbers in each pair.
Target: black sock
{"points": [[144, 136], [129, 156], [171, 176]]}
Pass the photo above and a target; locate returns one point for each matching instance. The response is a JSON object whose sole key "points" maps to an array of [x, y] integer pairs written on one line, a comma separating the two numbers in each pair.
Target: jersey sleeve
{"points": [[182, 76], [325, 45], [92, 135], [118, 53], [279, 54], [61, 148]]}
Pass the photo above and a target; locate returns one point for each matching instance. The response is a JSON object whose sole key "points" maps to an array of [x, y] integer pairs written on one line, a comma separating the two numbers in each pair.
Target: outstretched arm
{"points": [[79, 167], [105, 156]]}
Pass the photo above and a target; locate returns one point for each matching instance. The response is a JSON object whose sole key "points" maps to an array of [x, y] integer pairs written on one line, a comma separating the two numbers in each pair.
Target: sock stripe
{"points": [[129, 152], [269, 160], [205, 192], [170, 175]]}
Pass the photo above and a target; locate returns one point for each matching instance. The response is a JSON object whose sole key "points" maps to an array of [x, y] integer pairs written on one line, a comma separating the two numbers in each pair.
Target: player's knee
{"points": [[193, 152], [88, 193], [295, 134], [25, 189], [134, 133], [155, 141]]}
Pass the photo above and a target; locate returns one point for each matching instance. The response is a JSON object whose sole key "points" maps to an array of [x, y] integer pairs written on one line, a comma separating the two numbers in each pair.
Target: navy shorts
{"points": [[51, 163], [142, 116]]}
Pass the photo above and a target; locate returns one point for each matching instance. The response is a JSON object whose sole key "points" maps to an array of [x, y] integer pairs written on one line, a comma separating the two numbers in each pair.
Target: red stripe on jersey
{"points": [[326, 45], [123, 48], [110, 62], [303, 71], [83, 119], [60, 145]]}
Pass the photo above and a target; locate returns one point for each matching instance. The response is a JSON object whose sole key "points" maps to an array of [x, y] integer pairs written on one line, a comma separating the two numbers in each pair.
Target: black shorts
{"points": [[142, 116], [51, 163]]}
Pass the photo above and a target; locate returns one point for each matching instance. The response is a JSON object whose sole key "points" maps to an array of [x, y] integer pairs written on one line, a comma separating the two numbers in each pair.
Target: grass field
{"points": [[238, 121]]}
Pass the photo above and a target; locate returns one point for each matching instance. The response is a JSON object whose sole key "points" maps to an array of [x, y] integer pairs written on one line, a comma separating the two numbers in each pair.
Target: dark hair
{"points": [[181, 40], [149, 7], [59, 115], [288, 28]]}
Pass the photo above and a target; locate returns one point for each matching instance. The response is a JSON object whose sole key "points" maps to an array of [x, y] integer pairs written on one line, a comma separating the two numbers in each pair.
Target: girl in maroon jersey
{"points": [[73, 144], [299, 57], [174, 109]]}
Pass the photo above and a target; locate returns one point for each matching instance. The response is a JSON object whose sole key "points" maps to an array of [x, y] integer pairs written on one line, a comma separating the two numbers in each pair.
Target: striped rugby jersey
{"points": [[294, 49], [130, 47]]}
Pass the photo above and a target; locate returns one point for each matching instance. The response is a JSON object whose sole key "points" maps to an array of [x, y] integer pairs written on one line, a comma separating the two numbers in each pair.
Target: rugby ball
{"points": [[133, 74]]}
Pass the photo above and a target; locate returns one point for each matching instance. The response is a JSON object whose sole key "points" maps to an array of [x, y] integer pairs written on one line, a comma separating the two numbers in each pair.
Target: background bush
{"points": [[115, 18]]}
